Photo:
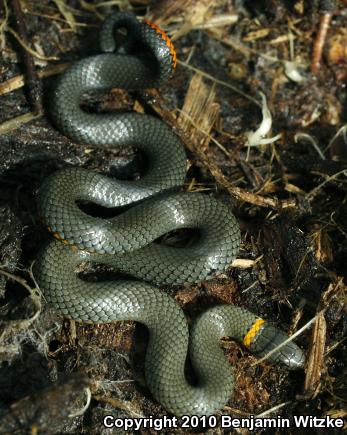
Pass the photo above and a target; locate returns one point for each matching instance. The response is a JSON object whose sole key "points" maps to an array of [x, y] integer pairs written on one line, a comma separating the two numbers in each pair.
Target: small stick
{"points": [[326, 8], [18, 82], [34, 84]]}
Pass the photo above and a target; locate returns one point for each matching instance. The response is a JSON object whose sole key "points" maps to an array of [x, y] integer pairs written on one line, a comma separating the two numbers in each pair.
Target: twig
{"points": [[327, 7], [34, 84], [314, 191], [18, 82], [61, 20]]}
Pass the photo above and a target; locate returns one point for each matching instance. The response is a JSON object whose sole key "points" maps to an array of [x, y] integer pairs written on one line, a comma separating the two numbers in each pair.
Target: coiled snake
{"points": [[129, 241]]}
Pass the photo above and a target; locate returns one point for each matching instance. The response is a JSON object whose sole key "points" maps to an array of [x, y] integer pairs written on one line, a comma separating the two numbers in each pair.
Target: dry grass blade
{"points": [[70, 19], [3, 25], [82, 410], [33, 53], [18, 121], [220, 82], [91, 8], [236, 44], [311, 140], [273, 409]]}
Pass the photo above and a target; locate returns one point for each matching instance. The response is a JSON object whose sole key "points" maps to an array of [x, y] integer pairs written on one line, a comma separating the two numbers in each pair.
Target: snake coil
{"points": [[128, 241]]}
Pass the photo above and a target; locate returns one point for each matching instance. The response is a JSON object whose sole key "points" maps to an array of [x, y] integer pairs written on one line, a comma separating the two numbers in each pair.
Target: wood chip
{"points": [[315, 364], [199, 112]]}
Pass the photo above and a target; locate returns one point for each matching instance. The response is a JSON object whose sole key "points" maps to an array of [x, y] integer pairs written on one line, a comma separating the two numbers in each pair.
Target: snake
{"points": [[132, 241]]}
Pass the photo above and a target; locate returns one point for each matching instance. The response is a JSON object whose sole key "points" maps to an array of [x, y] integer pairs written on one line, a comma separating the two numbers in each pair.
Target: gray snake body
{"points": [[128, 241]]}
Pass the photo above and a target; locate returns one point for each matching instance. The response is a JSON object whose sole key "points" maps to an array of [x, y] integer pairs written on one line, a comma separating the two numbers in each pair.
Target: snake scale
{"points": [[128, 241]]}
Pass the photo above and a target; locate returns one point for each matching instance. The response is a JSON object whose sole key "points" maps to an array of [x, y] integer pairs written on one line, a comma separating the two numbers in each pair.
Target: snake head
{"points": [[268, 339]]}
